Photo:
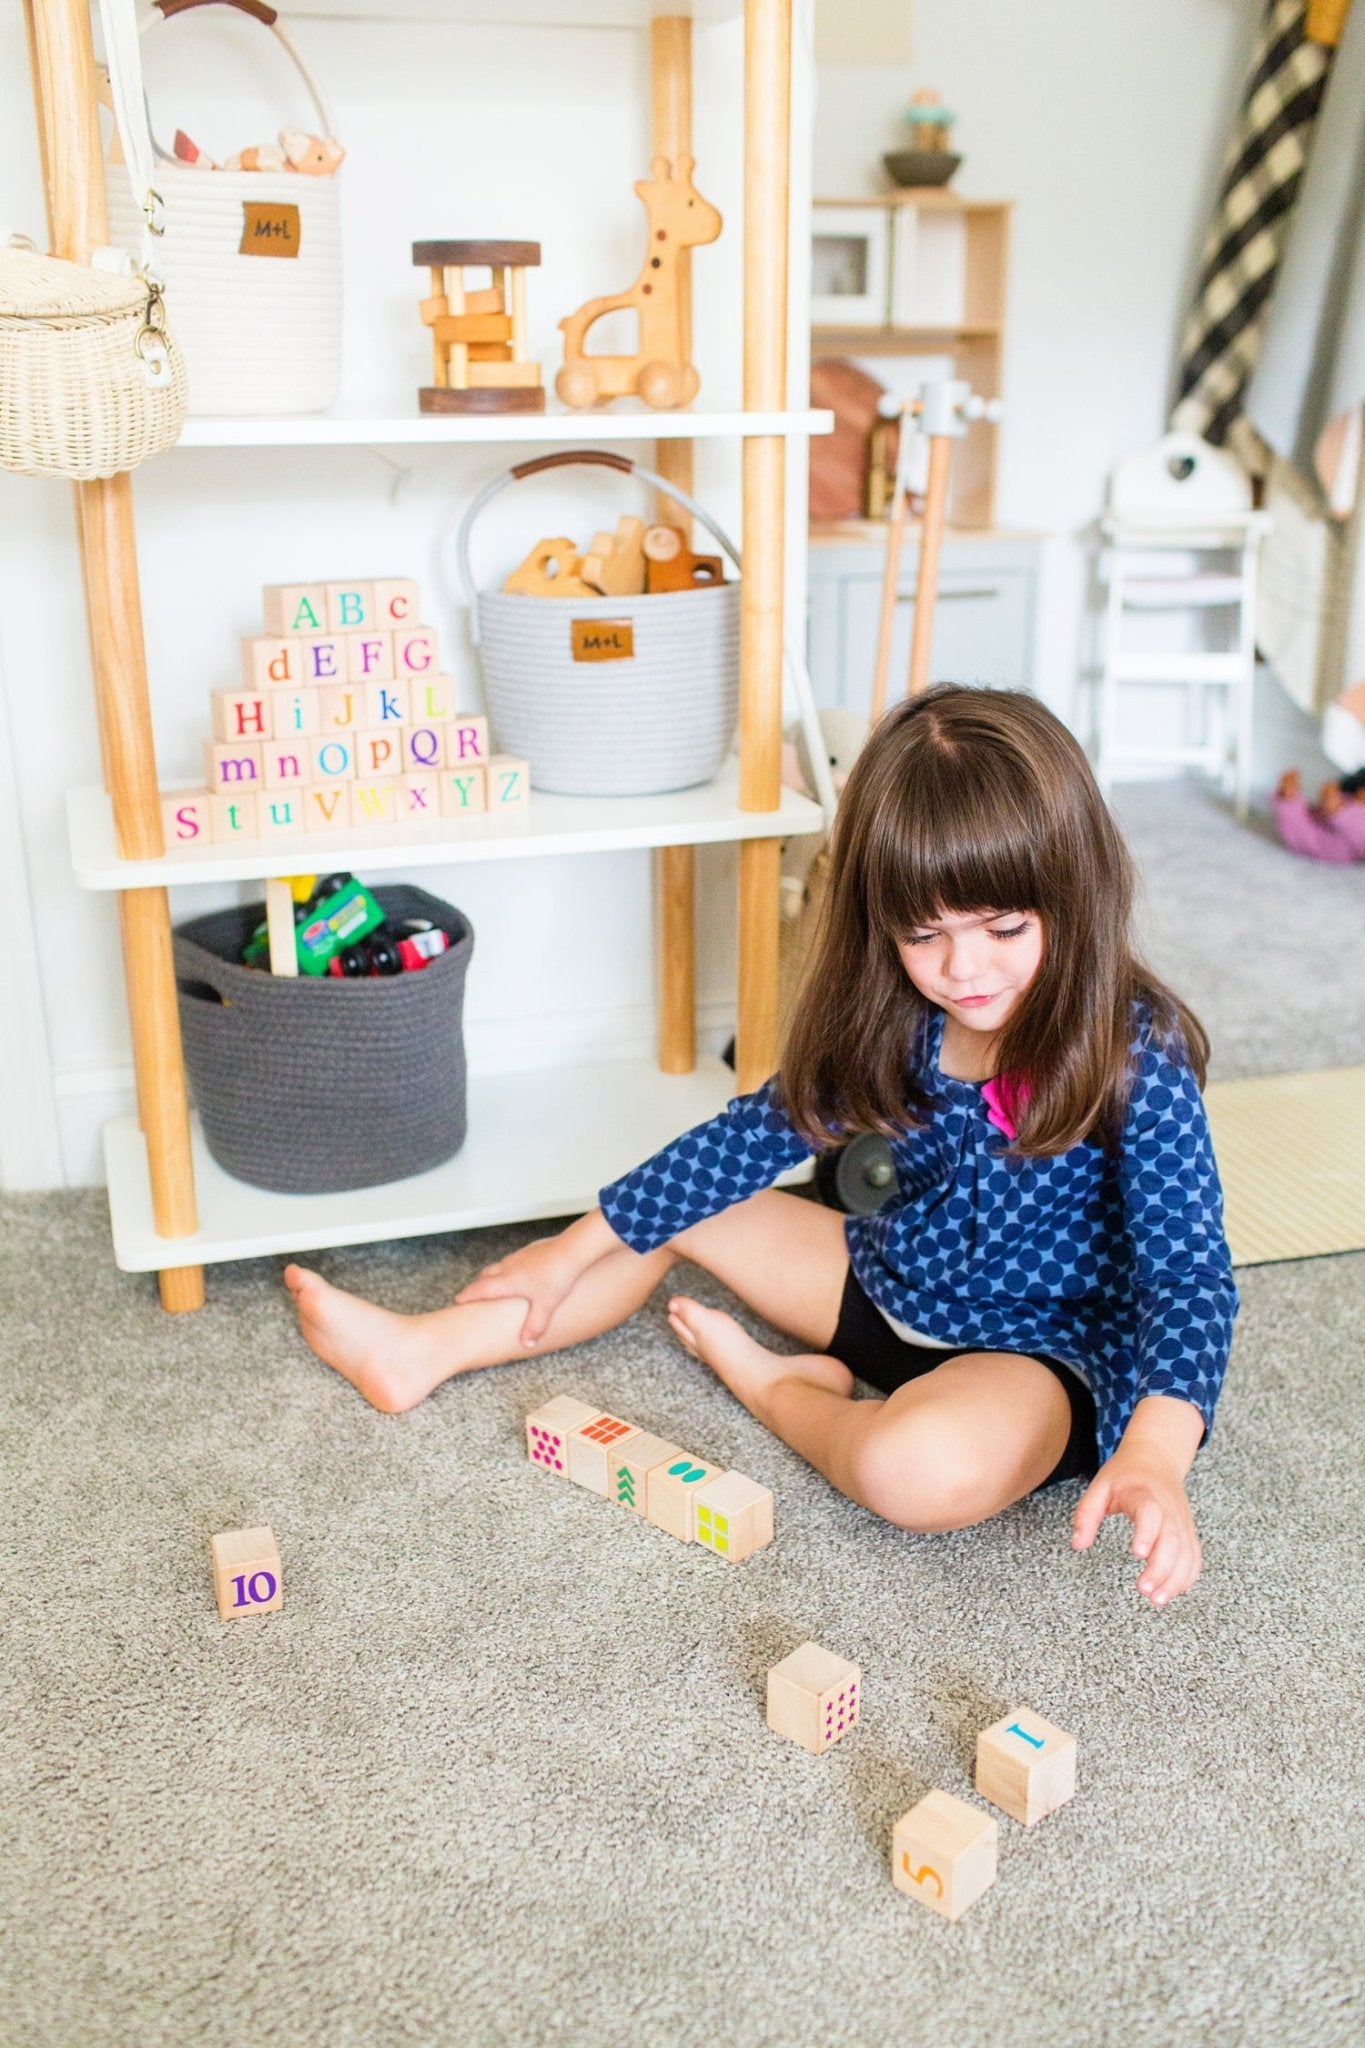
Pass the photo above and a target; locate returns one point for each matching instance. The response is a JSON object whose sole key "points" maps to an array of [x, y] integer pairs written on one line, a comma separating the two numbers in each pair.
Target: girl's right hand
{"points": [[540, 1274]]}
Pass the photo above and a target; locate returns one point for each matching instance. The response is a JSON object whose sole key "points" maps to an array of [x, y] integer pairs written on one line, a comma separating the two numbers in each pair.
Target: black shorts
{"points": [[870, 1348]]}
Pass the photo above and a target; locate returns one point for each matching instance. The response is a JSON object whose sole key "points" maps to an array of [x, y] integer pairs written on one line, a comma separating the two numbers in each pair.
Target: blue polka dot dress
{"points": [[1116, 1266]]}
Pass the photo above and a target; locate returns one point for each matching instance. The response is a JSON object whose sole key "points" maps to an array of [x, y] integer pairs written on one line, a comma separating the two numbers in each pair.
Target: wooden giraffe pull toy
{"points": [[660, 373], [671, 565], [550, 570]]}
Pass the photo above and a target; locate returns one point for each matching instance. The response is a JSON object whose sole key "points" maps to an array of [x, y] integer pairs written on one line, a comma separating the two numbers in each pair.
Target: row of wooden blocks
{"points": [[943, 1851], [305, 710], [205, 817], [361, 755], [389, 603], [665, 1485], [290, 661]]}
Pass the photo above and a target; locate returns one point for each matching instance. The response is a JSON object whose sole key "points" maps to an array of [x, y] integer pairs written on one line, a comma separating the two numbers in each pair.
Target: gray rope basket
{"points": [[661, 718], [313, 1086]]}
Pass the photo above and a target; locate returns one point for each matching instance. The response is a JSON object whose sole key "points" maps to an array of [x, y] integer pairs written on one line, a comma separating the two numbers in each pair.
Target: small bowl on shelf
{"points": [[908, 167]]}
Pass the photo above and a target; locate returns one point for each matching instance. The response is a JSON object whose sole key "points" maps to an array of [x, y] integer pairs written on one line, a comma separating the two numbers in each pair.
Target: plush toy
{"points": [[1332, 829], [189, 152], [844, 732], [308, 154]]}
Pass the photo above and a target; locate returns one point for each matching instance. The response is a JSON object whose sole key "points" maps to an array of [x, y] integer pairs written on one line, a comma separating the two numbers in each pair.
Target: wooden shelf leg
{"points": [[675, 880]]}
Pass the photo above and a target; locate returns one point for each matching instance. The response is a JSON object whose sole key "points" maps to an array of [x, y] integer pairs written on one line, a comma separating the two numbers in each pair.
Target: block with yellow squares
{"points": [[733, 1516]]}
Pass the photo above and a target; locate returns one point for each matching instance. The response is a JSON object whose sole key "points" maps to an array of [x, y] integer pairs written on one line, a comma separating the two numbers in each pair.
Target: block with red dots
{"points": [[548, 1430], [814, 1697]]}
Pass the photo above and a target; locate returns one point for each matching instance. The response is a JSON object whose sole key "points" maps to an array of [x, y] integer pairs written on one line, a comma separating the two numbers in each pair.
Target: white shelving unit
{"points": [[355, 429]]}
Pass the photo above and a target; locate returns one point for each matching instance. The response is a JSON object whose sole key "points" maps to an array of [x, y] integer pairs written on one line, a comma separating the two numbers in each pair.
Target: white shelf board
{"points": [[549, 825], [357, 428], [518, 13], [541, 1143]]}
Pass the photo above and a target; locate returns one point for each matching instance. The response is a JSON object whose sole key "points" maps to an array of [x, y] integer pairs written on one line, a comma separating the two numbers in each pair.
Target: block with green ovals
{"points": [[672, 1491]]}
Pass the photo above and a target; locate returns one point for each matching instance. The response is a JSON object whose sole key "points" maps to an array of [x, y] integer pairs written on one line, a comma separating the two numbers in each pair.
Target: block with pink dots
{"points": [[548, 1431], [814, 1697]]}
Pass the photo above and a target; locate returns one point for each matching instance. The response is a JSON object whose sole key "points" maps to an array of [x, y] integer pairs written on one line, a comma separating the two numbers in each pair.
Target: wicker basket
{"points": [[261, 331], [76, 400], [313, 1086], [662, 718]]}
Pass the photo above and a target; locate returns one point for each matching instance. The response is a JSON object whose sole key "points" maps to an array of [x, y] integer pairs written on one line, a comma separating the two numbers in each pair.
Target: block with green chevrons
{"points": [[629, 1464]]}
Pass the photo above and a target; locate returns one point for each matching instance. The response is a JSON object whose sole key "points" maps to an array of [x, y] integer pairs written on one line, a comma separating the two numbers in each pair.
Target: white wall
{"points": [[451, 130]]}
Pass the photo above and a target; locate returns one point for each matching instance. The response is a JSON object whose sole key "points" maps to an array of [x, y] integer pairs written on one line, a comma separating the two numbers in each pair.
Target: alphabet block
{"points": [[424, 748], [234, 817], [509, 783], [670, 1495], [943, 1853], [466, 740], [246, 1572], [814, 1697], [369, 657], [349, 607], [463, 791], [322, 658], [431, 700], [414, 651], [378, 753], [284, 764], [279, 813], [187, 817], [325, 809], [548, 1429], [295, 714], [240, 715], [1025, 1765], [589, 1444], [395, 601], [734, 1516], [419, 796], [295, 608], [341, 707], [236, 767], [629, 1464], [332, 760], [385, 703], [272, 664], [374, 803]]}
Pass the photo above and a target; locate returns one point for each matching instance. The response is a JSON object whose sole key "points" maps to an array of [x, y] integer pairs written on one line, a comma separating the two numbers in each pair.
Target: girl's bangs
{"points": [[950, 854]]}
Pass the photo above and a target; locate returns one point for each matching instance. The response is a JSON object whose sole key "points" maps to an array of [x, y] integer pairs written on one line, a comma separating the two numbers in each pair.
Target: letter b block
{"points": [[814, 1697], [943, 1852], [246, 1572], [1025, 1765]]}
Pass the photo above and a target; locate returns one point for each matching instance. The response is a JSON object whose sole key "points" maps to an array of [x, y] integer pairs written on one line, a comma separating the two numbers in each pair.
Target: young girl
{"points": [[1048, 1294]]}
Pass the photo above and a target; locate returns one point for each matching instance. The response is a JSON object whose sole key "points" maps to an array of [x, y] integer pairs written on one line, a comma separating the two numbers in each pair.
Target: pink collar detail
{"points": [[1004, 1096]]}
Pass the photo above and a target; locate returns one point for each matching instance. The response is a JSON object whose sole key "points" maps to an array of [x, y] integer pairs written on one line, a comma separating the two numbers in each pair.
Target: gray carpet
{"points": [[498, 1773]]}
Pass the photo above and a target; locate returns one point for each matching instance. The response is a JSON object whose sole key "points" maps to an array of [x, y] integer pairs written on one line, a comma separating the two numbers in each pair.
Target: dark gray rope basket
{"points": [[311, 1086]]}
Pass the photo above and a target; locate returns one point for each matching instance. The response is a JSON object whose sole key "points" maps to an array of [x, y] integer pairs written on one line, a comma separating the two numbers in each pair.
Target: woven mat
{"points": [[1291, 1152]]}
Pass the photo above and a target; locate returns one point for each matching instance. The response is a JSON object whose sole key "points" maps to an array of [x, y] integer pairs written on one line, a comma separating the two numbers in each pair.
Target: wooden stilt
{"points": [[930, 548], [675, 871]]}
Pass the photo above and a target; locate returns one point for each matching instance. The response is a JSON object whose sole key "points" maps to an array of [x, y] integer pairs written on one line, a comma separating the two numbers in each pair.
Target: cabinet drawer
{"points": [[983, 632]]}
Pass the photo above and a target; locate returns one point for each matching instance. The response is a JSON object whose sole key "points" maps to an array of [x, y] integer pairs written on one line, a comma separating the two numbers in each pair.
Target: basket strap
{"points": [[118, 19]]}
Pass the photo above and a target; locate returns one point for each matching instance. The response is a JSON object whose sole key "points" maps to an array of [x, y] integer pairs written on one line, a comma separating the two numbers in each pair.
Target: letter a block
{"points": [[814, 1697], [629, 1464], [672, 1491], [548, 1428], [588, 1448], [943, 1852], [733, 1516], [246, 1572], [1025, 1765]]}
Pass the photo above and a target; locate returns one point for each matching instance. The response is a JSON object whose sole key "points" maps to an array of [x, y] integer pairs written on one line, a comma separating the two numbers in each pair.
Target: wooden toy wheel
{"points": [[577, 385], [666, 385]]}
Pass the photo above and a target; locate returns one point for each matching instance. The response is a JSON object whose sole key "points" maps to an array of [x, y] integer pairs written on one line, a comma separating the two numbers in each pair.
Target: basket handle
{"points": [[596, 457], [265, 15], [259, 10]]}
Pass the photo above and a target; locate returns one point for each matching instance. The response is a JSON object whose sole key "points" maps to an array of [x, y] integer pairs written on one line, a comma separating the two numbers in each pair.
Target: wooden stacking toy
{"points": [[662, 1483], [342, 718], [482, 362]]}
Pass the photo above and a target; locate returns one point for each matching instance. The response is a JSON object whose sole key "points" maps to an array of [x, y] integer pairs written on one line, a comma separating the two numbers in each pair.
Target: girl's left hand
{"points": [[1153, 1497]]}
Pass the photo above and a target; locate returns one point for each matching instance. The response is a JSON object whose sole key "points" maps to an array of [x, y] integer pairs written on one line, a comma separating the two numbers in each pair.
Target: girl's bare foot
{"points": [[746, 1367], [394, 1361]]}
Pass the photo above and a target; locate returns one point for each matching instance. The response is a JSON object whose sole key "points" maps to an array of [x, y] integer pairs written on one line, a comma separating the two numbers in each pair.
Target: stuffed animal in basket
{"points": [[310, 155], [844, 732]]}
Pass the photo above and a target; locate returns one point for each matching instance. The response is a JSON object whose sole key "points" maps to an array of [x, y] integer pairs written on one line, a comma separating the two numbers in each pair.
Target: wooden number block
{"points": [[240, 715], [385, 703], [419, 796], [295, 714], [733, 1516], [463, 790], [332, 759], [327, 809], [279, 813], [466, 740], [374, 803], [234, 817], [671, 1494], [272, 664], [378, 753], [548, 1430], [349, 607], [431, 700], [187, 817], [369, 657], [236, 767], [424, 748], [1025, 1765], [616, 561], [295, 608], [509, 783], [246, 1572], [284, 764], [814, 1697], [395, 602], [943, 1852], [323, 658], [414, 652], [629, 1465], [341, 708], [589, 1444]]}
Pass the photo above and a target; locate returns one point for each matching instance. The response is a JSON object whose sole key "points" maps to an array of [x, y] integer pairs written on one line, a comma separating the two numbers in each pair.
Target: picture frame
{"points": [[850, 266]]}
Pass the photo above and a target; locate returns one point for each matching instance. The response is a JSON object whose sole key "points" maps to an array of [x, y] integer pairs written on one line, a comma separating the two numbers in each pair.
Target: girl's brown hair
{"points": [[972, 800]]}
